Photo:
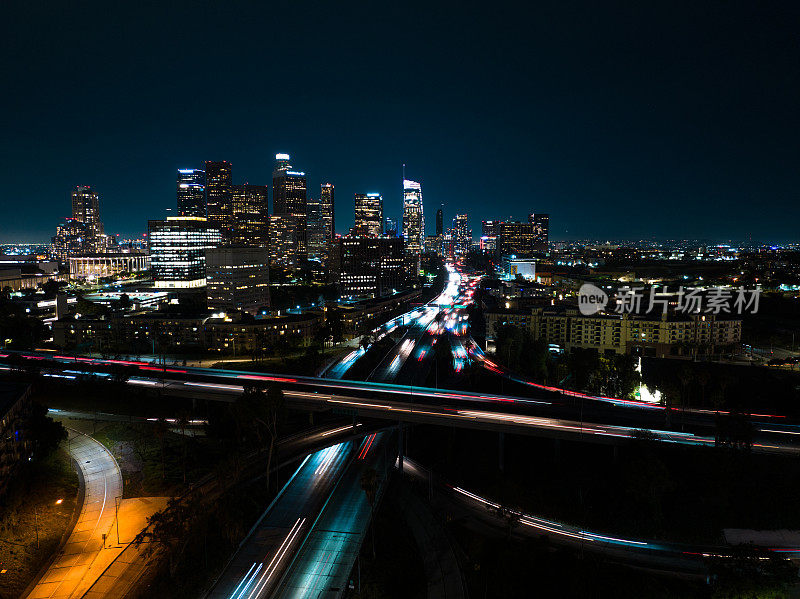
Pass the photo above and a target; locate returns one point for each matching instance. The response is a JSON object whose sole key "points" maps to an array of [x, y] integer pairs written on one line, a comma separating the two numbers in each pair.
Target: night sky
{"points": [[621, 120]]}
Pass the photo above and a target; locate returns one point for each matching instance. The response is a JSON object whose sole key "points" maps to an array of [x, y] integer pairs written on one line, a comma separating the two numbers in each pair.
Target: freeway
{"points": [[569, 415], [665, 555], [324, 563], [263, 557]]}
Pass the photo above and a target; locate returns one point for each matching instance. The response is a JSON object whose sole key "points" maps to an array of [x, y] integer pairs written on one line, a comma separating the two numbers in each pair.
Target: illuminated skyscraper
{"points": [[368, 215], [219, 200], [370, 266], [439, 222], [390, 228], [191, 192], [316, 232], [461, 235], [327, 210], [250, 217], [413, 218], [541, 230], [178, 250], [290, 204], [86, 209]]}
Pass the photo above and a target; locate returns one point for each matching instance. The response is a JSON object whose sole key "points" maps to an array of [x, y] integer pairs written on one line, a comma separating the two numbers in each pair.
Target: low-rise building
{"points": [[660, 336], [94, 266], [155, 332], [15, 444]]}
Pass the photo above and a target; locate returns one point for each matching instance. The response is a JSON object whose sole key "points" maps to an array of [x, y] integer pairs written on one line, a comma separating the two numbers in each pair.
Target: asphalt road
{"points": [[84, 556]]}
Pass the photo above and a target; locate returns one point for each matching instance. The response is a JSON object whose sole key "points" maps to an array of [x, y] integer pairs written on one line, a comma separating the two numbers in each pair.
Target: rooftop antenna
{"points": [[404, 171]]}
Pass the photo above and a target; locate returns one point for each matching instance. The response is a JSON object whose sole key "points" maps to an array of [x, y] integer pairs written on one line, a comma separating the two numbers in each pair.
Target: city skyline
{"points": [[609, 131]]}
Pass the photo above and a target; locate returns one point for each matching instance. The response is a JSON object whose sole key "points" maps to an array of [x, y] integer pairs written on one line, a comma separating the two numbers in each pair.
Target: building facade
{"points": [[95, 266], [191, 192], [219, 206], [370, 266], [289, 201], [177, 249], [368, 215], [659, 336], [461, 235], [237, 278], [328, 210], [250, 215]]}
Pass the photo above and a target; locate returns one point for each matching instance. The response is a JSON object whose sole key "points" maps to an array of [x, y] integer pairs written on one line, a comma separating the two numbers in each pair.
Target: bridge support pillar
{"points": [[501, 451]]}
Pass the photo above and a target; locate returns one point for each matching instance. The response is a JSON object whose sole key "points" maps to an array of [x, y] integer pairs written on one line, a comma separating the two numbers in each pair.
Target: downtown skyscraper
{"points": [[86, 209], [413, 218], [191, 192], [289, 206], [327, 210], [250, 215], [368, 215], [219, 199]]}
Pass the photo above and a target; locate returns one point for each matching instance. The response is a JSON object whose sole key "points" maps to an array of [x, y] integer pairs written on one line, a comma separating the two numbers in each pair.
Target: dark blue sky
{"points": [[621, 120]]}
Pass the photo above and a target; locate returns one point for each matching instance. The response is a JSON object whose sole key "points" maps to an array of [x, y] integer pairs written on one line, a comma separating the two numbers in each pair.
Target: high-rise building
{"points": [[316, 232], [370, 266], [237, 278], [490, 228], [289, 201], [515, 238], [368, 215], [413, 218], [219, 199], [541, 230], [282, 240], [327, 210], [70, 240], [86, 209], [178, 250], [439, 222], [191, 192], [462, 235], [391, 227], [250, 215]]}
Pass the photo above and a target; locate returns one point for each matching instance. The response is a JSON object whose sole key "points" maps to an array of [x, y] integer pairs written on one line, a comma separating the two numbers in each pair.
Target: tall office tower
{"points": [[541, 230], [413, 218], [70, 240], [86, 209], [178, 250], [462, 235], [289, 202], [390, 227], [317, 232], [515, 238], [327, 210], [219, 180], [439, 222], [368, 215], [371, 266], [490, 228], [191, 192], [282, 241], [237, 278], [250, 215]]}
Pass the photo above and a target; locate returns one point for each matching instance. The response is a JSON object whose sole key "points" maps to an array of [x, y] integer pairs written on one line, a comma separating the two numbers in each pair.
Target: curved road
{"points": [[81, 559]]}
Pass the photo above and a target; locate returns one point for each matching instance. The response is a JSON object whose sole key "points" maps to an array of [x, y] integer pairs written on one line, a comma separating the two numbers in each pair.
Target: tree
{"points": [[259, 411], [45, 432]]}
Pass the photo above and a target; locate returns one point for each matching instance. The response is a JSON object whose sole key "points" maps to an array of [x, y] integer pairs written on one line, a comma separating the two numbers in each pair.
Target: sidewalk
{"points": [[84, 556]]}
